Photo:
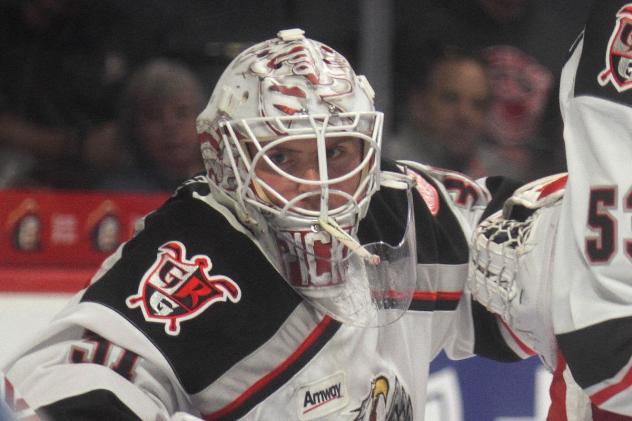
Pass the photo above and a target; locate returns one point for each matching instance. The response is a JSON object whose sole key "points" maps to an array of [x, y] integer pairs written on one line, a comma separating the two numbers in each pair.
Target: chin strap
{"points": [[332, 227]]}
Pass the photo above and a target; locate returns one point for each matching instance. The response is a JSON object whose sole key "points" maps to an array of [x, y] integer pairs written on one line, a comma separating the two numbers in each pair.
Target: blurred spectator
{"points": [[62, 64], [446, 114], [521, 89], [157, 129], [525, 43]]}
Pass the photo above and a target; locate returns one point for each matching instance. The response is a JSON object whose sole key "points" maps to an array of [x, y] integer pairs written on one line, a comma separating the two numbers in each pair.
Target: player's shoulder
{"points": [[183, 201], [436, 214], [192, 212], [443, 184], [195, 285], [602, 71]]}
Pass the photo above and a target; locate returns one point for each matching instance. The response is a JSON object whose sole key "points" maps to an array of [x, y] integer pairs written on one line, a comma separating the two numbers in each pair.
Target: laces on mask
{"points": [[332, 227], [388, 179]]}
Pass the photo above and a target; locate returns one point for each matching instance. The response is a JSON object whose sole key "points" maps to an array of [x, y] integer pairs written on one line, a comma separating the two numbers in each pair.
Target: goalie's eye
{"points": [[334, 153], [343, 155], [279, 157], [285, 158]]}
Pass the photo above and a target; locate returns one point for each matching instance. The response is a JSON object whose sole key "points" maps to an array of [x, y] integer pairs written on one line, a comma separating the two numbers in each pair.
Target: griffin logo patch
{"points": [[618, 69], [175, 288], [385, 401]]}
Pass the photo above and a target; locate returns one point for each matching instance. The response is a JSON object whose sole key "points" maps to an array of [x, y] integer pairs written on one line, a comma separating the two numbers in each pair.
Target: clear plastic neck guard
{"points": [[342, 281]]}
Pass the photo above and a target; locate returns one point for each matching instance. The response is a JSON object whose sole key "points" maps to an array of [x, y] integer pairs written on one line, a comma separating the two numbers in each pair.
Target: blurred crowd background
{"points": [[104, 94]]}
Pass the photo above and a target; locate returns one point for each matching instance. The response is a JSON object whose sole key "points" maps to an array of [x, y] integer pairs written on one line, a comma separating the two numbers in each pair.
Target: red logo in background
{"points": [[175, 289], [619, 58]]}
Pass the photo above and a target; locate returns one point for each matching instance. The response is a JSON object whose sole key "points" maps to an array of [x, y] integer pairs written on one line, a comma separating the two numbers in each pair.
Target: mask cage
{"points": [[252, 190]]}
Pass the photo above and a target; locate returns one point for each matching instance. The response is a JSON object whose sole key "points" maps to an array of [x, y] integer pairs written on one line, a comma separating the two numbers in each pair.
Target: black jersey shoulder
{"points": [[598, 352], [439, 237], [226, 330], [501, 188]]}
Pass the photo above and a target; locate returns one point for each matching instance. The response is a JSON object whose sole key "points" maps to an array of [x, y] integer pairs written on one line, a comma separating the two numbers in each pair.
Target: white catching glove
{"points": [[510, 263]]}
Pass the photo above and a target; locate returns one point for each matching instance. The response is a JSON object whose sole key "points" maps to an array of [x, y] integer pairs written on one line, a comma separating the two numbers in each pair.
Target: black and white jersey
{"points": [[568, 289], [592, 285], [230, 339]]}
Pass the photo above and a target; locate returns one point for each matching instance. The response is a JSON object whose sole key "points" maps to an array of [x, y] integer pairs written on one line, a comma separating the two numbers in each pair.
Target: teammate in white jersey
{"points": [[556, 263]]}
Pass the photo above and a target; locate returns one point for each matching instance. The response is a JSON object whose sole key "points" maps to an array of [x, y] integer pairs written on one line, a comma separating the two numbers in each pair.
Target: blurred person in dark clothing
{"points": [[525, 43], [447, 109], [62, 64], [157, 128], [521, 100]]}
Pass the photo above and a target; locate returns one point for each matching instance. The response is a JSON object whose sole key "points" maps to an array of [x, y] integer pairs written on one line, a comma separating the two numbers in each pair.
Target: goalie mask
{"points": [[291, 142]]}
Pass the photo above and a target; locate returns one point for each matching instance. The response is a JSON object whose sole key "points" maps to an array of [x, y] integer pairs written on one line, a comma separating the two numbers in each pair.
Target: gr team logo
{"points": [[619, 58], [175, 288]]}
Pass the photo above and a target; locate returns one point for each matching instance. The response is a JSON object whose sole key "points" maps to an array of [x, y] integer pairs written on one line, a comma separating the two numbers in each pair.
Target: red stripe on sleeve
{"points": [[523, 347], [437, 296], [261, 383], [605, 394], [557, 391]]}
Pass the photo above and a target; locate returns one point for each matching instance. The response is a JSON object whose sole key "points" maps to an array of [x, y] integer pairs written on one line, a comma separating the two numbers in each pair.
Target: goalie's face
{"points": [[301, 160]]}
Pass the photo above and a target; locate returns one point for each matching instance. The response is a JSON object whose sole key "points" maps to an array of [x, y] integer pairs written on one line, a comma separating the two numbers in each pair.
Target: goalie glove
{"points": [[510, 265]]}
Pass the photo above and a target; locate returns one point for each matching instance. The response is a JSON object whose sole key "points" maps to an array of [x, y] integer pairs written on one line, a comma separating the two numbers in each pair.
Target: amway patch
{"points": [[322, 397]]}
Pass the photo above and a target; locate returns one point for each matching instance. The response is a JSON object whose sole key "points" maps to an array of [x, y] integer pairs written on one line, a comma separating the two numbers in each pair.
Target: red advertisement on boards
{"points": [[71, 232]]}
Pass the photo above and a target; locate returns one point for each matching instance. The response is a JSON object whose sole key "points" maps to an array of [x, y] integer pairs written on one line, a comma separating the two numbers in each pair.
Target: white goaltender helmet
{"points": [[294, 89], [283, 89]]}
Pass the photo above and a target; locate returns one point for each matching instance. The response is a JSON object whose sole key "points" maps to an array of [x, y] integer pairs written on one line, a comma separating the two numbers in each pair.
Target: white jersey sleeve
{"points": [[127, 379]]}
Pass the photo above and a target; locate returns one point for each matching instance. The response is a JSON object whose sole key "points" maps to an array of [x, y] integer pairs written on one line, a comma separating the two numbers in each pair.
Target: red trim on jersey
{"points": [[601, 415], [265, 380], [523, 347], [17, 404], [437, 296], [426, 296], [553, 186], [9, 393], [557, 392], [605, 394]]}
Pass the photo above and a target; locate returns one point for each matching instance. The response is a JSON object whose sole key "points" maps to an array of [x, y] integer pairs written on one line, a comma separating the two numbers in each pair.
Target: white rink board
{"points": [[22, 315]]}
